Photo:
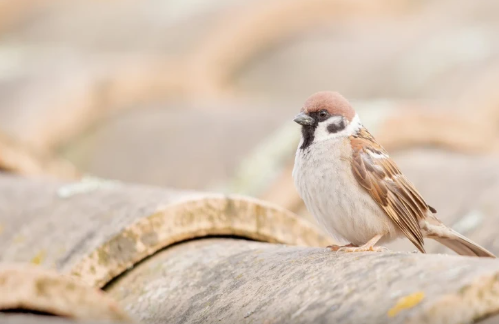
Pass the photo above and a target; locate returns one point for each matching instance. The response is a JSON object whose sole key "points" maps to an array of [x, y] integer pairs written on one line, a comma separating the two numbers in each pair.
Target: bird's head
{"points": [[326, 115]]}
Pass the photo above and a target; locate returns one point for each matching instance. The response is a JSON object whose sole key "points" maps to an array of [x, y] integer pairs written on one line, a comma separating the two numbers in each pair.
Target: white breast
{"points": [[324, 179]]}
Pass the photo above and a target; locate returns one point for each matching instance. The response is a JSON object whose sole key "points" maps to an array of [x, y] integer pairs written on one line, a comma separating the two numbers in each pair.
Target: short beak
{"points": [[304, 119]]}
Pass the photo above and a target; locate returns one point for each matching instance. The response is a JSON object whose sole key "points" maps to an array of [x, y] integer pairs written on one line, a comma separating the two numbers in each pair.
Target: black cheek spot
{"points": [[336, 127]]}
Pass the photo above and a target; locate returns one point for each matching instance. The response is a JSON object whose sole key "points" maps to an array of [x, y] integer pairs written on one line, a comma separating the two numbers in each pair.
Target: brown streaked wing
{"points": [[385, 183]]}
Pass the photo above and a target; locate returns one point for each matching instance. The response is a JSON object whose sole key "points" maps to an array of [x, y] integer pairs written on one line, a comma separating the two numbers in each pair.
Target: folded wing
{"points": [[382, 179]]}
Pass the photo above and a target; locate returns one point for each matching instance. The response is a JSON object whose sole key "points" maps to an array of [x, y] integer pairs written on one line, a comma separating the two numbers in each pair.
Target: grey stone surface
{"points": [[95, 229], [233, 281]]}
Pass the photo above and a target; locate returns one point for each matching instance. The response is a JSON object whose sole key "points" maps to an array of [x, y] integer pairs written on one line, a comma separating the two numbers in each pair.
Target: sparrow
{"points": [[355, 190]]}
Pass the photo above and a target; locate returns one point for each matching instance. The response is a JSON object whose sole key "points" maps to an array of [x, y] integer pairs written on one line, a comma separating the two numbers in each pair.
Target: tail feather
{"points": [[463, 246], [433, 228]]}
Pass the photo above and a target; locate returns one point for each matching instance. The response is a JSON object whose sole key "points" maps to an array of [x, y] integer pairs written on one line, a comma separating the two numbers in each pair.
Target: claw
{"points": [[363, 248], [368, 247], [335, 247]]}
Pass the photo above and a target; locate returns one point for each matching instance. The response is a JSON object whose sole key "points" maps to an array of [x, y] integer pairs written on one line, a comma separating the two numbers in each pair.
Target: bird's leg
{"points": [[369, 246], [335, 247]]}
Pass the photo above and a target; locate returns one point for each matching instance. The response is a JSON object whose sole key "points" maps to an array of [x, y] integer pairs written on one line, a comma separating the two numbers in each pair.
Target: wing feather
{"points": [[382, 179]]}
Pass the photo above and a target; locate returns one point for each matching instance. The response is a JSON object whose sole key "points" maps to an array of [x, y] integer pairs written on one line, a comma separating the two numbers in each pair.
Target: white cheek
{"points": [[322, 134]]}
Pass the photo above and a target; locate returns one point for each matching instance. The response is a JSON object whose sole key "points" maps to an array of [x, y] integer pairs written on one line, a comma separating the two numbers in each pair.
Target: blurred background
{"points": [[200, 95]]}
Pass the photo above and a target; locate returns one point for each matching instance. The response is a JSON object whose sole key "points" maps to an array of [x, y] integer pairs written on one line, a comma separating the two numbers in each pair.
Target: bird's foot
{"points": [[364, 248], [335, 247]]}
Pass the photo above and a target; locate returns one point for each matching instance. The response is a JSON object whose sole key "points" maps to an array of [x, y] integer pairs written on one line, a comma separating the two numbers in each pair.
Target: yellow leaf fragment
{"points": [[406, 302], [38, 258]]}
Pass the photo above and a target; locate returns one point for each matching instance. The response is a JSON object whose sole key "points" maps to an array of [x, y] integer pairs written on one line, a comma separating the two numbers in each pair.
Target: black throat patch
{"points": [[308, 131], [308, 135]]}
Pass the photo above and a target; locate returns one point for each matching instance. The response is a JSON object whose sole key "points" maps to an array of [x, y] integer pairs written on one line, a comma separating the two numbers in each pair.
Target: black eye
{"points": [[323, 114]]}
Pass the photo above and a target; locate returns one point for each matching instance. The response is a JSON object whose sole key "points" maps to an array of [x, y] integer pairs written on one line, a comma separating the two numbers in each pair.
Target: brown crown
{"points": [[331, 101]]}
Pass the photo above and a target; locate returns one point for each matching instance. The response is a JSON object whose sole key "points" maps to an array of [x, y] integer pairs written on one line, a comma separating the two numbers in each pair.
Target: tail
{"points": [[462, 245], [433, 228]]}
